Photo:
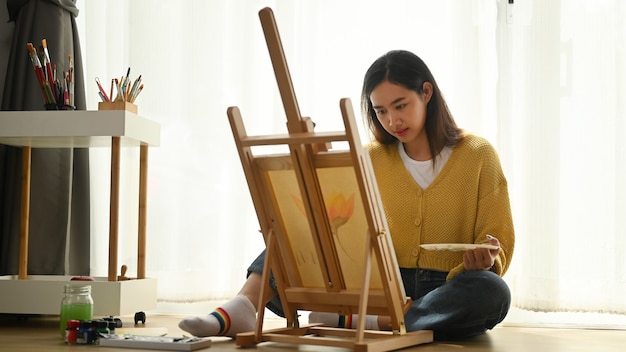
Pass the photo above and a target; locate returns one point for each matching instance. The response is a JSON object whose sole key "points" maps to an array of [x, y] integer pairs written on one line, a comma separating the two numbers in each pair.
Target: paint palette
{"points": [[167, 343], [456, 247]]}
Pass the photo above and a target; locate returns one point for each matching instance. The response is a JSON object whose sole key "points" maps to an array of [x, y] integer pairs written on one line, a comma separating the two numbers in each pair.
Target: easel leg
{"points": [[266, 289], [360, 332]]}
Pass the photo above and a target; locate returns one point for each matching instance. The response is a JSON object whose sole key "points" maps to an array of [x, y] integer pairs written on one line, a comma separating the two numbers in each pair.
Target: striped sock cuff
{"points": [[224, 319], [345, 321]]}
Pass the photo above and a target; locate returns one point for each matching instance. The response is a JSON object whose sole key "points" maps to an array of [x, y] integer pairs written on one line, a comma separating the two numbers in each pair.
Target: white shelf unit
{"points": [[42, 294]]}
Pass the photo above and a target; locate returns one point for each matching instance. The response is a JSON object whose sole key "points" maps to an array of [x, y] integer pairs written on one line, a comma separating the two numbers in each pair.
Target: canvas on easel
{"points": [[327, 240]]}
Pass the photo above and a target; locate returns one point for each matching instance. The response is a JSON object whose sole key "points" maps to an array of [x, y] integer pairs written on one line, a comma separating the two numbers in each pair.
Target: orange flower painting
{"points": [[338, 208]]}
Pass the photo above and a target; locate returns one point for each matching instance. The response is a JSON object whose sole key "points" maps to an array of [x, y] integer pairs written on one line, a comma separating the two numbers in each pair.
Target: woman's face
{"points": [[401, 112]]}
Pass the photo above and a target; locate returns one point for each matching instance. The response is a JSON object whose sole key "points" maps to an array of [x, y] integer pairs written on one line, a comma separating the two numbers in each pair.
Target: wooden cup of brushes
{"points": [[126, 94], [117, 105]]}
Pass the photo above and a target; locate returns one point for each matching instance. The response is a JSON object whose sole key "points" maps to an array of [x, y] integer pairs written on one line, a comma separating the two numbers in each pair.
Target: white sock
{"points": [[235, 316], [343, 321]]}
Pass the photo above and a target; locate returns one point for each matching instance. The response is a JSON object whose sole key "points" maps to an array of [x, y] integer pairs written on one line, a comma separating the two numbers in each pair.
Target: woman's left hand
{"points": [[481, 258]]}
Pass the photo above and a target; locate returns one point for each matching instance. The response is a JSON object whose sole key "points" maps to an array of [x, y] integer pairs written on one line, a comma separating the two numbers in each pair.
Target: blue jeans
{"points": [[467, 305]]}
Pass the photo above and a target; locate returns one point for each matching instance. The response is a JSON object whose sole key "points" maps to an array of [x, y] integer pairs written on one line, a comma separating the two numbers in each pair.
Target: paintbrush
{"points": [[48, 65], [34, 59]]}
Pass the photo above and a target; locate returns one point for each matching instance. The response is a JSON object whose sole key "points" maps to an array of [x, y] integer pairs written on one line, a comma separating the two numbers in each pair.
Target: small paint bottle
{"points": [[102, 327], [85, 333], [71, 332], [113, 323], [112, 326]]}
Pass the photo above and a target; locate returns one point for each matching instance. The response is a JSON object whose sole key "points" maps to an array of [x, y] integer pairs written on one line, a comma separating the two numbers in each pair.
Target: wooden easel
{"points": [[316, 267]]}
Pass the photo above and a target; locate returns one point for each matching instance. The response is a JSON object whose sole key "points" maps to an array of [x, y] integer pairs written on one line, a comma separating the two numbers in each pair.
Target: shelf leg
{"points": [[25, 213], [143, 199], [114, 207]]}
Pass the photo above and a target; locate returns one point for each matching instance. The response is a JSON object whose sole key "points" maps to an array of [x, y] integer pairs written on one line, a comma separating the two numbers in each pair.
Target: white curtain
{"points": [[561, 113], [542, 80]]}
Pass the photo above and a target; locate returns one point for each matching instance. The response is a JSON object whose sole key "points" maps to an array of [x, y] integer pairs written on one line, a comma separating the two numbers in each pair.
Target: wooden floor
{"points": [[18, 334]]}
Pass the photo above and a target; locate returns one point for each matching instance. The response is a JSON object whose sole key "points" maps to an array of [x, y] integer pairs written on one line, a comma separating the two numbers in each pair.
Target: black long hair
{"points": [[406, 69]]}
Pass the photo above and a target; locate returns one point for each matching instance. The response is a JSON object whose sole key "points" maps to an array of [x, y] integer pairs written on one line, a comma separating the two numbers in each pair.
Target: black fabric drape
{"points": [[59, 212]]}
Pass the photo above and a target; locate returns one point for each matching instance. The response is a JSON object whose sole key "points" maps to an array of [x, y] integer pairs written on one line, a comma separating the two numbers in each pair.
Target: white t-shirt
{"points": [[422, 171]]}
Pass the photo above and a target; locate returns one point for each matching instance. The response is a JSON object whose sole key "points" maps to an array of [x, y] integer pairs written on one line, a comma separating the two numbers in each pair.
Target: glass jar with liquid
{"points": [[77, 304]]}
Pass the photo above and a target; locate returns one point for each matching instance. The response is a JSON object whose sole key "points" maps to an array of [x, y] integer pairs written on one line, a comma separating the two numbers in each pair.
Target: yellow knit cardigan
{"points": [[466, 201]]}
